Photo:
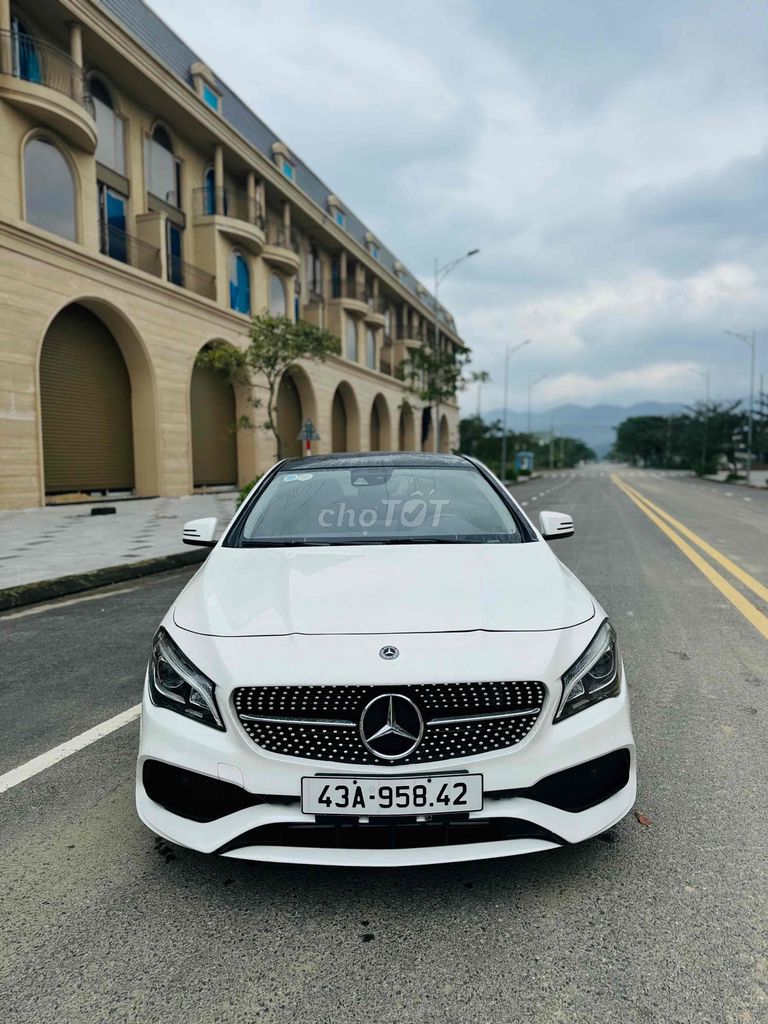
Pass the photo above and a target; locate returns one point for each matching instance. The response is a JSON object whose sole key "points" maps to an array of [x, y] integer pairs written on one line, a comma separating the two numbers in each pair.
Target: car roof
{"points": [[360, 460]]}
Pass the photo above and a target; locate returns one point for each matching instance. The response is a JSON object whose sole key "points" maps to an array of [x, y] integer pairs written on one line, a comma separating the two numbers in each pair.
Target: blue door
{"points": [[175, 265], [113, 214], [25, 56], [209, 205]]}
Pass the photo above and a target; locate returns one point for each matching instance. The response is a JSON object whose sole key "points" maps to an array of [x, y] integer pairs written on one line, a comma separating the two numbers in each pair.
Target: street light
{"points": [[440, 274], [507, 353], [532, 382], [750, 340]]}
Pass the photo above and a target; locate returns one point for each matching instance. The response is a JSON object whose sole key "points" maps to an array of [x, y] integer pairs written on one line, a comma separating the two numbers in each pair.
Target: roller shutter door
{"points": [[85, 396], [214, 440]]}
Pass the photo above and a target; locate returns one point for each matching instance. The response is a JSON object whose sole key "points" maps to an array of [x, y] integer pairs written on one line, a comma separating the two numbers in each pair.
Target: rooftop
{"points": [[161, 41]]}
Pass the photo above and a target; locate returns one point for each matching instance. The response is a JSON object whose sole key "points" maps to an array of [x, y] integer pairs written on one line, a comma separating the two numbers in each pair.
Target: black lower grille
{"points": [[391, 836], [321, 723]]}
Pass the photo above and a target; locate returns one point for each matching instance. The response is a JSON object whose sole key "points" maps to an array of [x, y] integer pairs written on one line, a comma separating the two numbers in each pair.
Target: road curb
{"points": [[47, 590]]}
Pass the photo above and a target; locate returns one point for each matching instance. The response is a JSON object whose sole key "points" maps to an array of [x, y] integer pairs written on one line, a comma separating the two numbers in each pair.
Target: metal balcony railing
{"points": [[315, 298], [377, 305], [277, 235], [119, 246], [227, 202], [349, 290], [193, 278], [34, 60]]}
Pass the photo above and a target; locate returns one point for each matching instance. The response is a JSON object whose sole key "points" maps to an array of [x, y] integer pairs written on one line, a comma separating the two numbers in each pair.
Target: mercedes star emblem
{"points": [[389, 653], [391, 726]]}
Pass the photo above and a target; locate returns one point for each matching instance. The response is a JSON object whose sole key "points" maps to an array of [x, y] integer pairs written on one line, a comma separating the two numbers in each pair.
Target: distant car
{"points": [[381, 663]]}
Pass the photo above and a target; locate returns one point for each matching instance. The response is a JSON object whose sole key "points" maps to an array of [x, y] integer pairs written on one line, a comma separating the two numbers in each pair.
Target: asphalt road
{"points": [[649, 923]]}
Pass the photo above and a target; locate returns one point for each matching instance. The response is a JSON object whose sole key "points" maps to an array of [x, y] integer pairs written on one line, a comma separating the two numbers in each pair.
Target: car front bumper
{"points": [[232, 758]]}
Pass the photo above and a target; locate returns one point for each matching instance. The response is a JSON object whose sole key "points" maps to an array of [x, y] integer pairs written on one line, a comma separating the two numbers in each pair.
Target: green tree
{"points": [[276, 343], [436, 375]]}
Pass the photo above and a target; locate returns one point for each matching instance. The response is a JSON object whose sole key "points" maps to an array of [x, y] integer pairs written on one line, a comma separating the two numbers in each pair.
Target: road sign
{"points": [[308, 434]]}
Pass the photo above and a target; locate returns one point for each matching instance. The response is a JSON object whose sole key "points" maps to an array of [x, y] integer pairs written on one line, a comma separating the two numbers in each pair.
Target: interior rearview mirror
{"points": [[200, 532], [555, 524]]}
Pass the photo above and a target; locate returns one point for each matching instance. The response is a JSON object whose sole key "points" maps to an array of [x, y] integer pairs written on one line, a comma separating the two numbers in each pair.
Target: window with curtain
{"points": [[49, 189], [370, 349], [110, 149], [161, 167], [350, 337], [239, 284], [278, 303]]}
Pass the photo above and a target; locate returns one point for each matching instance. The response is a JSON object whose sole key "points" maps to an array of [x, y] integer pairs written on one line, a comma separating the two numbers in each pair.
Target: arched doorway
{"points": [[85, 400], [405, 429], [345, 420], [289, 417], [379, 427], [214, 427], [444, 436]]}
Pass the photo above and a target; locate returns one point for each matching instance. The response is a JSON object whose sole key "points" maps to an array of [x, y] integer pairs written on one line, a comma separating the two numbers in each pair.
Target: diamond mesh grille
{"points": [[327, 739]]}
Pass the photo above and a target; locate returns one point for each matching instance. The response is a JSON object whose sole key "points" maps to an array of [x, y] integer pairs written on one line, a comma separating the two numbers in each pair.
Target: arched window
{"points": [[278, 304], [110, 149], [370, 349], [49, 189], [351, 339], [161, 167], [239, 284]]}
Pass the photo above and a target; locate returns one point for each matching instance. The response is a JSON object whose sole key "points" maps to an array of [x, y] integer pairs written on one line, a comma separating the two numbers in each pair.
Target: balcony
{"points": [[119, 246], [232, 213], [45, 83], [282, 248], [377, 310], [192, 278], [313, 310]]}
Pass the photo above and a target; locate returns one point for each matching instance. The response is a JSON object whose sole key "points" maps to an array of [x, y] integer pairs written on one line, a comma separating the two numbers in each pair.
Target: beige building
{"points": [[145, 213]]}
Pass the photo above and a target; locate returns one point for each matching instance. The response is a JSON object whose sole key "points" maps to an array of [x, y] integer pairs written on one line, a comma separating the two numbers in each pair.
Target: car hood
{"points": [[382, 589]]}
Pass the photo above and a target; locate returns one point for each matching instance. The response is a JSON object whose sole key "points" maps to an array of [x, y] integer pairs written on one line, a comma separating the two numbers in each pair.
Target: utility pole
{"points": [[507, 353], [751, 341]]}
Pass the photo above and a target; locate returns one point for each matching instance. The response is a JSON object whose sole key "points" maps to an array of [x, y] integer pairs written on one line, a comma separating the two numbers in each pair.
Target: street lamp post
{"points": [[507, 353], [532, 382], [440, 274], [751, 341]]}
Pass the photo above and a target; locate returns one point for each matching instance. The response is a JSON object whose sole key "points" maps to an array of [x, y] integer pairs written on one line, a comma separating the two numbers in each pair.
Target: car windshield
{"points": [[380, 505]]}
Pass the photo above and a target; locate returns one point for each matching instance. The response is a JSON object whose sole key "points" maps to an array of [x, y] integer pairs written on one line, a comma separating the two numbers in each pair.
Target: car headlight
{"points": [[595, 676], [175, 683]]}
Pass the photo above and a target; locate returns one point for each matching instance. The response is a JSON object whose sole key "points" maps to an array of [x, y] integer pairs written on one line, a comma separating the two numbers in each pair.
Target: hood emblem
{"points": [[389, 653], [391, 726]]}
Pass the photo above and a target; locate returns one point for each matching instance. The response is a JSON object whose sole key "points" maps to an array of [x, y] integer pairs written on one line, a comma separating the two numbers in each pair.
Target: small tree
{"points": [[276, 343], [436, 375]]}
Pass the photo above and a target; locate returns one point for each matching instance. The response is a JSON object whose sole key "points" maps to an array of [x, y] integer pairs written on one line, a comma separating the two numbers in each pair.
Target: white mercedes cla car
{"points": [[382, 662]]}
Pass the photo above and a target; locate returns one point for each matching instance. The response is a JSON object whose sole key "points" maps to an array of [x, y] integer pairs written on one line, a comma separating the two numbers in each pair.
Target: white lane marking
{"points": [[729, 494], [747, 499], [51, 757], [53, 605], [523, 503]]}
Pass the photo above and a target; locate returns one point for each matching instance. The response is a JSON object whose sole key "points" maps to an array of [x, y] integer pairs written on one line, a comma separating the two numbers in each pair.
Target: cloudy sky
{"points": [[608, 157]]}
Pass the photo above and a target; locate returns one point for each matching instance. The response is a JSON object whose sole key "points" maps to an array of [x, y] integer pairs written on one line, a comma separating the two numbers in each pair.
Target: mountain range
{"points": [[593, 424]]}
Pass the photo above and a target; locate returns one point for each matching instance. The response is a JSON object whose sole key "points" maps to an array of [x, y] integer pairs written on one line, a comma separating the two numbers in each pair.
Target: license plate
{"points": [[369, 796]]}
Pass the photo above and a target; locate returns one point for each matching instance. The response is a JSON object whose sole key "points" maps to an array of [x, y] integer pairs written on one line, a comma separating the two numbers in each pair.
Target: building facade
{"points": [[145, 213]]}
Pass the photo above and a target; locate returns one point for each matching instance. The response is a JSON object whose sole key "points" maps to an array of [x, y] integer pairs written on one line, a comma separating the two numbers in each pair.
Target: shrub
{"points": [[245, 491]]}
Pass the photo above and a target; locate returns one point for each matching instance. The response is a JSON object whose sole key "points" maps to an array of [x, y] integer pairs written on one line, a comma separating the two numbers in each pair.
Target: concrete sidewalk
{"points": [[39, 544]]}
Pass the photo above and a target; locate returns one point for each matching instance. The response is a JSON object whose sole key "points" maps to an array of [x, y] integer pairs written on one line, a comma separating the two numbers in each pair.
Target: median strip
{"points": [[51, 757], [747, 609]]}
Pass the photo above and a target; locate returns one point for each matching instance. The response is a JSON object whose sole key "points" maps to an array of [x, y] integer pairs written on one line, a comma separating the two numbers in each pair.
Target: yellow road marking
{"points": [[747, 609], [749, 581]]}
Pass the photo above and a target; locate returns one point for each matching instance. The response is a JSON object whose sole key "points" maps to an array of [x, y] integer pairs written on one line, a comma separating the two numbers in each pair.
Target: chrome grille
{"points": [[321, 723]]}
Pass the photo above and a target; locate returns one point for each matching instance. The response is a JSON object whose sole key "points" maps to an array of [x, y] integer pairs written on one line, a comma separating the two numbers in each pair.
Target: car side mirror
{"points": [[555, 524], [200, 532]]}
